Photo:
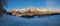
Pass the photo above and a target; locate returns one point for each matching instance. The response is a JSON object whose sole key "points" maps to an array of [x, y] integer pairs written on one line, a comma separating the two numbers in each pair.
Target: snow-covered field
{"points": [[8, 20]]}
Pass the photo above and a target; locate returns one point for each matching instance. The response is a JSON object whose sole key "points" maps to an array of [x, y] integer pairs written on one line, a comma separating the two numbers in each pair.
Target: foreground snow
{"points": [[8, 20]]}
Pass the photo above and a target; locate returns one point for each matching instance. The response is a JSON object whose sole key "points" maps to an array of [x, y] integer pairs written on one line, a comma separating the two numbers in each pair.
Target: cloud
{"points": [[50, 3]]}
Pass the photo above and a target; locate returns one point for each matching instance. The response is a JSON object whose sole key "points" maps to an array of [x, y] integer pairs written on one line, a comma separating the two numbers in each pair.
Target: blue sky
{"points": [[35, 3]]}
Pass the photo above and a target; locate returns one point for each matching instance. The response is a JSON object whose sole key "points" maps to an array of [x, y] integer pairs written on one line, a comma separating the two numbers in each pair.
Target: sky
{"points": [[20, 4]]}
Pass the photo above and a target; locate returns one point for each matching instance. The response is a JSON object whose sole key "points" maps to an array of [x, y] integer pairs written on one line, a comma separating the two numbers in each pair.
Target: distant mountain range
{"points": [[31, 11]]}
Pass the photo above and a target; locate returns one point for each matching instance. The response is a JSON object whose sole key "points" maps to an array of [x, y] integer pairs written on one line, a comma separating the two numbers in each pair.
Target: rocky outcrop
{"points": [[31, 11]]}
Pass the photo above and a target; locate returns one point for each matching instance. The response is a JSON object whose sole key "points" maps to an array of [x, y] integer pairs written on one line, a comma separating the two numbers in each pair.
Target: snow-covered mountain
{"points": [[30, 11]]}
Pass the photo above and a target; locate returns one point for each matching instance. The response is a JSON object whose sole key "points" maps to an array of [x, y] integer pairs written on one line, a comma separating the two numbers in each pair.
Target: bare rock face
{"points": [[31, 11]]}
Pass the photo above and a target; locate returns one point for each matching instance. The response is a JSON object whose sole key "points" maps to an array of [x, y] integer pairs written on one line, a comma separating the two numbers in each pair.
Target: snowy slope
{"points": [[8, 20]]}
